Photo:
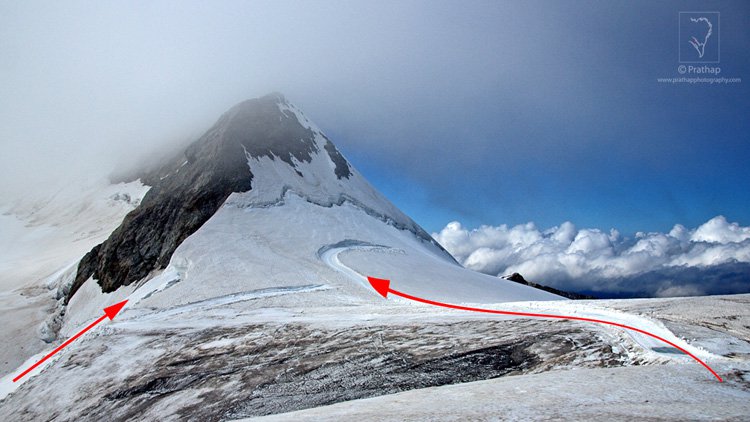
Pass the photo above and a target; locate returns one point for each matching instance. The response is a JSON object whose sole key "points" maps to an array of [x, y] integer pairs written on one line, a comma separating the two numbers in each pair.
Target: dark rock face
{"points": [[192, 186], [342, 169], [264, 131]]}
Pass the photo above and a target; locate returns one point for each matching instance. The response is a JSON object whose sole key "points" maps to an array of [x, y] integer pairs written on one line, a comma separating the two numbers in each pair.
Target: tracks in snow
{"points": [[227, 300], [329, 255]]}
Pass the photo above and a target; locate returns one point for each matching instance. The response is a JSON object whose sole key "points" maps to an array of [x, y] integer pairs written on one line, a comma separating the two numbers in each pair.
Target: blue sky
{"points": [[606, 147], [485, 112]]}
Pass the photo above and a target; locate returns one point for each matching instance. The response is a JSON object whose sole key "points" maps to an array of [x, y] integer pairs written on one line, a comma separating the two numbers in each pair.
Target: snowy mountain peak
{"points": [[258, 154], [269, 127], [272, 127]]}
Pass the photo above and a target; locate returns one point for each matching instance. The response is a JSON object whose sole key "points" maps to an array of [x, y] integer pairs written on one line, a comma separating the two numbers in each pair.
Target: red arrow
{"points": [[109, 312], [383, 287]]}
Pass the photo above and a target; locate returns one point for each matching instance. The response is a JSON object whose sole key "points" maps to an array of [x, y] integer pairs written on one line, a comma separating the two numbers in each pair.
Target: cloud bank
{"points": [[713, 258]]}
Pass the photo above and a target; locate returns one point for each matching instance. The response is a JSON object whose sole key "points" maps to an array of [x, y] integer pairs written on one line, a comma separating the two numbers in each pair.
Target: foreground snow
{"points": [[668, 392], [253, 355]]}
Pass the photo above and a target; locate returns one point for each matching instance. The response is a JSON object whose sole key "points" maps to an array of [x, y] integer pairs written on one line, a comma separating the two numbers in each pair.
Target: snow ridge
{"points": [[340, 200]]}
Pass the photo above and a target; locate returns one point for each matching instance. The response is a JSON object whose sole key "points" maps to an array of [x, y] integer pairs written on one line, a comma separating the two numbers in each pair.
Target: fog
{"points": [[85, 85], [473, 104]]}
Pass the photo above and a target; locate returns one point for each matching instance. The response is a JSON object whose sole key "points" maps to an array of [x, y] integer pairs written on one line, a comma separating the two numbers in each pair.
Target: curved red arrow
{"points": [[383, 287], [109, 312]]}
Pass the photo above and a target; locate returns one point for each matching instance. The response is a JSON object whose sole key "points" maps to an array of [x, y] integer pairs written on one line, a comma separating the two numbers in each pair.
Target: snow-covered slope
{"points": [[635, 393], [41, 241], [39, 236], [675, 391], [327, 179]]}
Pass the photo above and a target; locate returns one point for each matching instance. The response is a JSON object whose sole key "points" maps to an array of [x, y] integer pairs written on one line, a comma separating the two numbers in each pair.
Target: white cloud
{"points": [[719, 230], [593, 260]]}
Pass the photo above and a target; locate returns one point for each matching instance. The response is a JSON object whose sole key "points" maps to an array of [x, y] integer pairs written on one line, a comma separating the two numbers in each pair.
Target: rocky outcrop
{"points": [[518, 278], [342, 169]]}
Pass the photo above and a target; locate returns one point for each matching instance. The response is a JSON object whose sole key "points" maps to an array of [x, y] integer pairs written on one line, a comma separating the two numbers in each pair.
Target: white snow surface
{"points": [[272, 179], [39, 237], [668, 386], [41, 242], [250, 249]]}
